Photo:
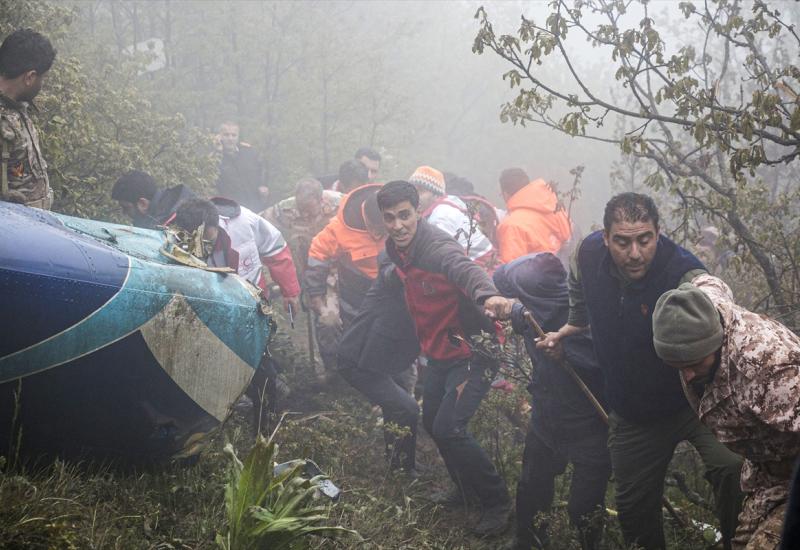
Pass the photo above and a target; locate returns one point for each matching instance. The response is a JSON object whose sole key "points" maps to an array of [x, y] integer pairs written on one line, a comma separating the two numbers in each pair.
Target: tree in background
{"points": [[310, 82], [301, 79], [710, 109], [96, 124]]}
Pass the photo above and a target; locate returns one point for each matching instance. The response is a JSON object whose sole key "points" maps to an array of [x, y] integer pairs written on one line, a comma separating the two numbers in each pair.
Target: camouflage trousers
{"points": [[44, 203], [759, 532]]}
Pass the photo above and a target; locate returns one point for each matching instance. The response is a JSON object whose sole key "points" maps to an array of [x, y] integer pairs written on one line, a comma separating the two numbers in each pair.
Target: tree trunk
{"points": [[119, 35], [237, 67]]}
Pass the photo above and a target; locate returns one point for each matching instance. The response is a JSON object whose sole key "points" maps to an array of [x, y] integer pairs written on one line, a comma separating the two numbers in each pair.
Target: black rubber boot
{"points": [[494, 520]]}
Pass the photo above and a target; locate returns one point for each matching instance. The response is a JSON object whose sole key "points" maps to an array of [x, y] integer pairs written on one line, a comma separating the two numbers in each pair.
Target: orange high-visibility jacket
{"points": [[534, 223], [345, 243]]}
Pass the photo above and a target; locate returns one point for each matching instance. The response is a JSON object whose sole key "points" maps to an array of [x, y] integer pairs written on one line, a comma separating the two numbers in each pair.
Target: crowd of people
{"points": [[402, 280]]}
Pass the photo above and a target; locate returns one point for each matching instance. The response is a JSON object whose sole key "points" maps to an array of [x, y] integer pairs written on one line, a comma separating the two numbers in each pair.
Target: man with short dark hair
{"points": [[368, 157], [371, 159], [535, 222], [244, 241], [616, 276], [25, 58], [352, 174], [140, 198], [458, 186], [450, 299], [241, 172]]}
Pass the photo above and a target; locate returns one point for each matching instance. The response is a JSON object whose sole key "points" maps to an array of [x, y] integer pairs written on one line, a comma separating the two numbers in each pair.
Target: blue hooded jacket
{"points": [[539, 281]]}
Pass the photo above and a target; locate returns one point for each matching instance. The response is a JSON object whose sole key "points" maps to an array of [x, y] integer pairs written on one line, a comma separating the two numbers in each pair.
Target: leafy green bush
{"points": [[96, 123]]}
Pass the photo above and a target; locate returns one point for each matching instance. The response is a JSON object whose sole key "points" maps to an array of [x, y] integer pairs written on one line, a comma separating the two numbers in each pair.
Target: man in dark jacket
{"points": [[241, 172], [450, 298], [616, 277], [565, 427], [376, 356], [144, 203]]}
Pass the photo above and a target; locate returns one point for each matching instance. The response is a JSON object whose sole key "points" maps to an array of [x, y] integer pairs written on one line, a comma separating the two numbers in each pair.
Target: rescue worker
{"points": [[25, 58], [241, 171], [303, 215], [299, 219], [564, 428], [741, 374], [487, 214], [141, 200], [457, 185], [450, 214], [352, 174], [371, 159], [367, 156], [535, 221], [376, 356], [450, 298], [616, 276], [349, 243], [242, 240]]}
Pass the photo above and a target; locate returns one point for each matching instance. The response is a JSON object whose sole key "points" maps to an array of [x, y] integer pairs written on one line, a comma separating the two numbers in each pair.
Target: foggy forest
{"points": [[694, 103]]}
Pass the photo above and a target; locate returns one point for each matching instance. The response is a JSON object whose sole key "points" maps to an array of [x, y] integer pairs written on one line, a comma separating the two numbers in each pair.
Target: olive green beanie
{"points": [[686, 325]]}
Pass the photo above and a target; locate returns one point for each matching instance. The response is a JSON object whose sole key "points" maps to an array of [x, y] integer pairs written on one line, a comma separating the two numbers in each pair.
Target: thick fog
{"points": [[309, 82]]}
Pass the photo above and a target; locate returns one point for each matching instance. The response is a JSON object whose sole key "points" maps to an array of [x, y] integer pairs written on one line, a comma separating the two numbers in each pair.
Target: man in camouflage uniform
{"points": [[741, 372], [300, 218], [25, 58]]}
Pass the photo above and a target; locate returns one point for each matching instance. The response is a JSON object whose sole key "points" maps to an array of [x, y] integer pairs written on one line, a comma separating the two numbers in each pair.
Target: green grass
{"points": [[86, 506]]}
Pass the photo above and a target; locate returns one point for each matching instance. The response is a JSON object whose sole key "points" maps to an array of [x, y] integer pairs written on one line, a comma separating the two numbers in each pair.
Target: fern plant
{"points": [[268, 510]]}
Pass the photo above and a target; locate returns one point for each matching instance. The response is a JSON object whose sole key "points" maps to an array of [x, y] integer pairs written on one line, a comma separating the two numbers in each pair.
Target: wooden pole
{"points": [[569, 370], [595, 403]]}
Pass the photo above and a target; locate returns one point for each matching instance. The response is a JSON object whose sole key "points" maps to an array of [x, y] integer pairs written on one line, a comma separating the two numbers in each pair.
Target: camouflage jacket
{"points": [[299, 230], [26, 167], [753, 402]]}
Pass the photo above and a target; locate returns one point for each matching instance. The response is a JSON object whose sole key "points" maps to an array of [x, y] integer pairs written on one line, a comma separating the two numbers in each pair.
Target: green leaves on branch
{"points": [[574, 124], [706, 125], [96, 124], [684, 90]]}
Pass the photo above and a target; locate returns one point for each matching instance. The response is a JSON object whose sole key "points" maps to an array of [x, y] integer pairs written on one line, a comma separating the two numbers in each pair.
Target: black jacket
{"points": [[163, 206], [444, 291], [639, 386], [538, 281], [240, 176], [381, 337]]}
